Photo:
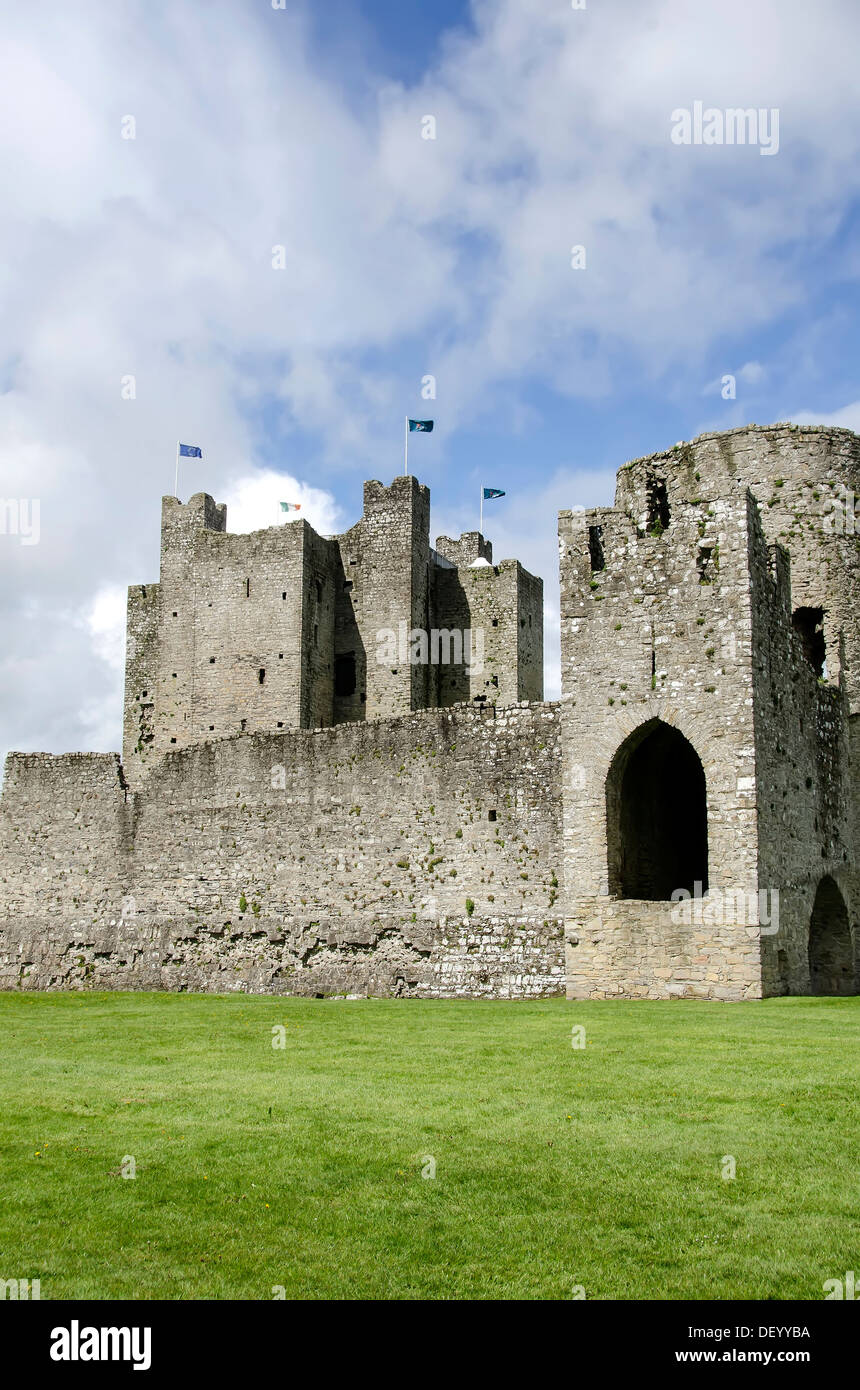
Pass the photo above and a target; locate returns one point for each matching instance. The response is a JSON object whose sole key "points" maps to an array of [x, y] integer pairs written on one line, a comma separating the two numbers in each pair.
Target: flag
{"points": [[420, 426], [291, 506], [190, 451], [490, 492]]}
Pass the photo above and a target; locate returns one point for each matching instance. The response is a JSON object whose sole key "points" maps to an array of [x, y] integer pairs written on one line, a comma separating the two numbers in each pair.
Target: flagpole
{"points": [[481, 525], [406, 444], [176, 480]]}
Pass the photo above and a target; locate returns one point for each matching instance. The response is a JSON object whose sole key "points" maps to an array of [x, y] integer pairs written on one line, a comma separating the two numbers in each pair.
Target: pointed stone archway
{"points": [[656, 815], [831, 950]]}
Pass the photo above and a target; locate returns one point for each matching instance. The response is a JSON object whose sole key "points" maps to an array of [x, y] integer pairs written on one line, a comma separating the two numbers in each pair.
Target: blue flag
{"points": [[492, 492], [422, 426], [190, 451]]}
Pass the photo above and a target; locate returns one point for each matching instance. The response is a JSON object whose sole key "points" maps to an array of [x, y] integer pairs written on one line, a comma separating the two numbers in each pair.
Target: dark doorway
{"points": [[344, 675], [831, 955], [656, 815]]}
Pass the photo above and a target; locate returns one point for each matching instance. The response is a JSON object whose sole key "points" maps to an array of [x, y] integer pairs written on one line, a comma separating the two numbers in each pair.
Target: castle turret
{"points": [[708, 634], [385, 560], [500, 607]]}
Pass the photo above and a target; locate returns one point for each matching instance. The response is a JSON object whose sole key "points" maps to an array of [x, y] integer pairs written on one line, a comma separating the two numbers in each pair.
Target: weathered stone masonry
{"points": [[290, 815], [690, 615], [282, 629], [415, 855]]}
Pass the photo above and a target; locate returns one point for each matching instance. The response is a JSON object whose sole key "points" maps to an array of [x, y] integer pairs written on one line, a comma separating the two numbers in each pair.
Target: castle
{"points": [[328, 785]]}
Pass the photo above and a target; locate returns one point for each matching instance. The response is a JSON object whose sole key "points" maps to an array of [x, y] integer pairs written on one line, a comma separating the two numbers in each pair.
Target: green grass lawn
{"points": [[302, 1167]]}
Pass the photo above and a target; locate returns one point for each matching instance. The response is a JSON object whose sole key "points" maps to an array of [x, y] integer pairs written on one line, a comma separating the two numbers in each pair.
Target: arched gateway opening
{"points": [[831, 954], [656, 815]]}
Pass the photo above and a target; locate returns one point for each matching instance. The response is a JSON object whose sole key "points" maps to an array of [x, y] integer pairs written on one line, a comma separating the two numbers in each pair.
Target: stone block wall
{"points": [[417, 855], [655, 632], [65, 829]]}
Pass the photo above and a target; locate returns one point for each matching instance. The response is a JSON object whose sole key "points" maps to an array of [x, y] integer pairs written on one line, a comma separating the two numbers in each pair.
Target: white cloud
{"points": [[100, 712], [253, 503], [153, 256], [751, 373], [105, 622], [847, 417]]}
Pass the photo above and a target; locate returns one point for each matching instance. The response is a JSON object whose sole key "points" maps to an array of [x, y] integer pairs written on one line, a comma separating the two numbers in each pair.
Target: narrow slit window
{"points": [[808, 623], [595, 548], [659, 514]]}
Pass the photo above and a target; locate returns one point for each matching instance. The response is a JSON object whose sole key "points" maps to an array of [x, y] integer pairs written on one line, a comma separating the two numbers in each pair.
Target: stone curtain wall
{"points": [[64, 840], [416, 855]]}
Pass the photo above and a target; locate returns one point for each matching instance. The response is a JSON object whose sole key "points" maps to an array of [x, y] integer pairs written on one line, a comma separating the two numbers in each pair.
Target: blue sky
{"points": [[401, 38], [298, 131]]}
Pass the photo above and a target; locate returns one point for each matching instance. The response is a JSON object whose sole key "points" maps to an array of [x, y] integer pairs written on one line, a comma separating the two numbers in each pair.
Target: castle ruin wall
{"points": [[413, 855]]}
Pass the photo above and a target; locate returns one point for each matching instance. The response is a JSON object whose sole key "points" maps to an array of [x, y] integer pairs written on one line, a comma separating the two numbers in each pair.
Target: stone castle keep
{"points": [[301, 808], [281, 629]]}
